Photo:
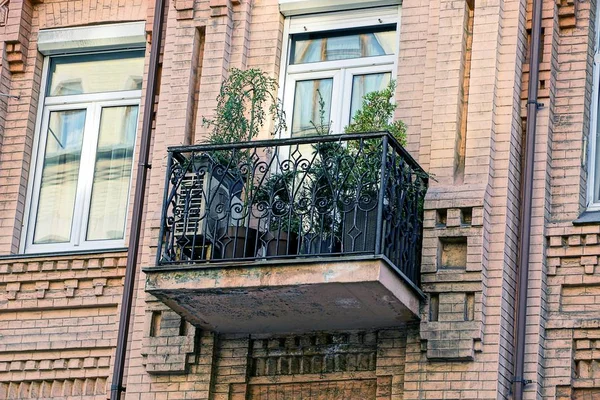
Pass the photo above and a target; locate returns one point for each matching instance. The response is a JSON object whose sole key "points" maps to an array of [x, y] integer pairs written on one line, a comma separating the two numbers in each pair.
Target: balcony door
{"points": [[332, 61]]}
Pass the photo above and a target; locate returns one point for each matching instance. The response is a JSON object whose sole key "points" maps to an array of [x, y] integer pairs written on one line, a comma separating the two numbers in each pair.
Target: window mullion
{"points": [[346, 97], [86, 174], [337, 110]]}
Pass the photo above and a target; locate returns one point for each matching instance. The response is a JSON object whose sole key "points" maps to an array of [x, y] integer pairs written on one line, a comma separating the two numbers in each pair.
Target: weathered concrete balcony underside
{"points": [[293, 296], [292, 235]]}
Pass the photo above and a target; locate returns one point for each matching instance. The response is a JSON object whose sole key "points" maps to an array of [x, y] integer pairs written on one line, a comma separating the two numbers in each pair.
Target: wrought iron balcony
{"points": [[287, 235], [321, 196]]}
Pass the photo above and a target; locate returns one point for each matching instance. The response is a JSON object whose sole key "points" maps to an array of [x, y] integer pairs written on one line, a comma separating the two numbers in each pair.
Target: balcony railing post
{"points": [[382, 189], [165, 206]]}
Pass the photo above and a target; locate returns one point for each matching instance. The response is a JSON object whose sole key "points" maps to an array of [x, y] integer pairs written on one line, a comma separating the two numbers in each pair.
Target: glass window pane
{"points": [[59, 176], [94, 73], [364, 84], [112, 173], [315, 47], [597, 160], [306, 105]]}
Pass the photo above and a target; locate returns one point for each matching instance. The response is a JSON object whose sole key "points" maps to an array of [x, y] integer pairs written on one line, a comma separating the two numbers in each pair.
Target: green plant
{"points": [[322, 128], [322, 179], [376, 113], [246, 99]]}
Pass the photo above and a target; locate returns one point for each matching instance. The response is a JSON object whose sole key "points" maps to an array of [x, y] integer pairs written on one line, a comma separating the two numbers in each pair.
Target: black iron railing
{"points": [[320, 196]]}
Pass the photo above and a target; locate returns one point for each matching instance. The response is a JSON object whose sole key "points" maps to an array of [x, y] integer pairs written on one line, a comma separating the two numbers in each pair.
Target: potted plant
{"points": [[360, 214], [376, 113], [323, 189], [246, 101]]}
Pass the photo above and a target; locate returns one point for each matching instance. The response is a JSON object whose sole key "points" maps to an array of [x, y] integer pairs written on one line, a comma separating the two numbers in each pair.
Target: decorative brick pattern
{"points": [[15, 56], [571, 252], [53, 388], [567, 13], [314, 354], [573, 336], [326, 364], [3, 12], [185, 9], [587, 358], [350, 390], [56, 364], [173, 346], [452, 327], [58, 333]]}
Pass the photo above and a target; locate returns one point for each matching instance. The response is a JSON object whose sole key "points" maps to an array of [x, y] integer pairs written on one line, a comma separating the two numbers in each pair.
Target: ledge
{"points": [[588, 218], [62, 254], [256, 298], [289, 261]]}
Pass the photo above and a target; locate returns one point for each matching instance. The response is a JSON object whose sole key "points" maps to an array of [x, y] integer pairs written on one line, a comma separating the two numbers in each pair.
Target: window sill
{"points": [[62, 253], [588, 218]]}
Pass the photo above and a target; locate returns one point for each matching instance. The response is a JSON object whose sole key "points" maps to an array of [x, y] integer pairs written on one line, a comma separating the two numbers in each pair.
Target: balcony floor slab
{"points": [[287, 297]]}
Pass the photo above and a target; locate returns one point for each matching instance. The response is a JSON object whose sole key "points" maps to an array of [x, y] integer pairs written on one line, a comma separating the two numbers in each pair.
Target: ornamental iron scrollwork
{"points": [[320, 196]]}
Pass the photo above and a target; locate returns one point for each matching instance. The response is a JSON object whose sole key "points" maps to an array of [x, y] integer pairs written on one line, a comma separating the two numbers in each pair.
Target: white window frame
{"points": [[594, 120], [93, 103], [342, 71], [299, 7]]}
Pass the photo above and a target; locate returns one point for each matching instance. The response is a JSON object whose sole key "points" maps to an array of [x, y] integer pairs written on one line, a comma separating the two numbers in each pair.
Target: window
{"points": [[335, 59], [593, 193], [82, 176]]}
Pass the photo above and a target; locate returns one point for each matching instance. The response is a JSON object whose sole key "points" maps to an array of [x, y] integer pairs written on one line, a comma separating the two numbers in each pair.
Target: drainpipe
{"points": [[525, 214], [138, 203]]}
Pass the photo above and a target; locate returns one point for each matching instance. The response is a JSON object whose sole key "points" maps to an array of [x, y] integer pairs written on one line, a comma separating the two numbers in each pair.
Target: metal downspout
{"points": [[526, 204], [138, 203]]}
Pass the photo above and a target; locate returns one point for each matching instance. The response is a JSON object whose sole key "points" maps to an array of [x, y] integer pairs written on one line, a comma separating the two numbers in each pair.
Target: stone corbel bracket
{"points": [[12, 288], [567, 13], [15, 25], [185, 9], [167, 350], [219, 7]]}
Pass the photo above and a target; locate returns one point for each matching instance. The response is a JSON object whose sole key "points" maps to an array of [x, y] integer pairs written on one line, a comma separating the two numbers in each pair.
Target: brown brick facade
{"points": [[462, 80], [58, 323]]}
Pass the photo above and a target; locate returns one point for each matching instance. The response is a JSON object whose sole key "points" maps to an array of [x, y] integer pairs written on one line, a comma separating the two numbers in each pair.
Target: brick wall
{"points": [[564, 256], [58, 324], [58, 313], [480, 213]]}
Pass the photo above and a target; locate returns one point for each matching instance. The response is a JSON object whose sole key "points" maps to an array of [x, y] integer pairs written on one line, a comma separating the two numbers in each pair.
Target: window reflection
{"points": [[95, 73], [112, 173], [365, 84], [60, 173], [306, 105], [309, 48]]}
